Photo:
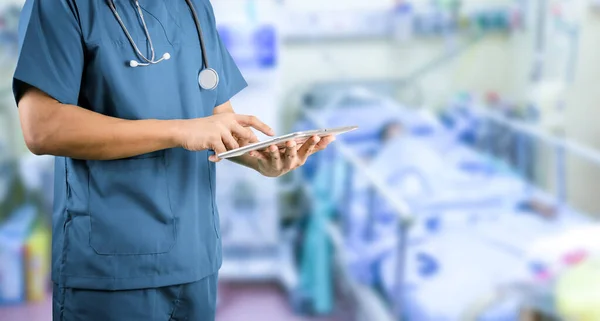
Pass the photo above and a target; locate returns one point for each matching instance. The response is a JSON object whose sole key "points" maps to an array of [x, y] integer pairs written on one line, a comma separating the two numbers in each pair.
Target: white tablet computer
{"points": [[299, 137]]}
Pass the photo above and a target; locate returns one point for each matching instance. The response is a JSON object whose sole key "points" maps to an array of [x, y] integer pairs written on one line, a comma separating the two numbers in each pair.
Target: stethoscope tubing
{"points": [[113, 8], [199, 31]]}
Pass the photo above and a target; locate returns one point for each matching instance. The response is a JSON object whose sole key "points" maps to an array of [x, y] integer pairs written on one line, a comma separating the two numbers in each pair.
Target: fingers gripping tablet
{"points": [[299, 137]]}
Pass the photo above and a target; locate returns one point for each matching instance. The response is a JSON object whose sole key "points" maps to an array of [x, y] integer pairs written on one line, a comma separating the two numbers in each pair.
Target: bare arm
{"points": [[50, 127]]}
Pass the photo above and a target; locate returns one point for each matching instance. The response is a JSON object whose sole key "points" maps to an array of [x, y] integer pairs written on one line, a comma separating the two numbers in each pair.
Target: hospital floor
{"points": [[238, 302]]}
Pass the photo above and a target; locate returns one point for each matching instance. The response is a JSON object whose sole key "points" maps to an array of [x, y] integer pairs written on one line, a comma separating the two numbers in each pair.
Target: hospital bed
{"points": [[418, 268]]}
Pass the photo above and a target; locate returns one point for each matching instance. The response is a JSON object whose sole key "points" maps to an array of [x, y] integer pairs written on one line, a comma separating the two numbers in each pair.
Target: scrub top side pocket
{"points": [[130, 207]]}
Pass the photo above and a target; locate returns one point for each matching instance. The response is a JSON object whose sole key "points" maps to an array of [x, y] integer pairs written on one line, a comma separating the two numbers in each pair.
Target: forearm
{"points": [[78, 133], [88, 135]]}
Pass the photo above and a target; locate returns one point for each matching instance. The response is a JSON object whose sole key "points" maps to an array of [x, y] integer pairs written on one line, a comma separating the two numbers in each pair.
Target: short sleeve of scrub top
{"points": [[51, 56], [233, 82], [149, 220]]}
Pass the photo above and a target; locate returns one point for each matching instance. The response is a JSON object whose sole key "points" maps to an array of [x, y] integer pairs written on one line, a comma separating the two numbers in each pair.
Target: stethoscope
{"points": [[208, 77]]}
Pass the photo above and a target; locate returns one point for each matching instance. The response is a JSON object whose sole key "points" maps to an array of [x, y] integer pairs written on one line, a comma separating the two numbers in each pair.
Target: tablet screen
{"points": [[299, 137]]}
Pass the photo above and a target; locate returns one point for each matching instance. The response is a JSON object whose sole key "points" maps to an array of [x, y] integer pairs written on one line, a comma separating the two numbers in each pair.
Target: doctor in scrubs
{"points": [[133, 99]]}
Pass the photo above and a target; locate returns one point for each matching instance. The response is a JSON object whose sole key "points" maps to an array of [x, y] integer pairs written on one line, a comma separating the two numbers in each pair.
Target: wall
{"points": [[583, 105], [497, 63]]}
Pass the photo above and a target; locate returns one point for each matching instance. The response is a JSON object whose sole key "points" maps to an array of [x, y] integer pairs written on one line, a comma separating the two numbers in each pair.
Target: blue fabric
{"points": [[191, 301], [150, 220]]}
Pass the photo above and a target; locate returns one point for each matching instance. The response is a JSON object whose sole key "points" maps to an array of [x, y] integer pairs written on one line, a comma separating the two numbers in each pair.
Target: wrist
{"points": [[174, 132]]}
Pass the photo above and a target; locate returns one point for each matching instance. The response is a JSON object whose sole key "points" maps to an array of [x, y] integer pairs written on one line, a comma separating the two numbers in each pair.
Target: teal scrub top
{"points": [[145, 221]]}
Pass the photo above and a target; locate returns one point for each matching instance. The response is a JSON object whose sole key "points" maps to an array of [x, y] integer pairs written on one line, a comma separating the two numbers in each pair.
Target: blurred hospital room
{"points": [[469, 192]]}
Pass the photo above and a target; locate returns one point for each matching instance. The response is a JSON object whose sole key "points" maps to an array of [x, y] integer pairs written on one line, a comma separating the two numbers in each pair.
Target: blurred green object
{"points": [[316, 279], [37, 263], [449, 4], [464, 97], [578, 292], [483, 21], [16, 194]]}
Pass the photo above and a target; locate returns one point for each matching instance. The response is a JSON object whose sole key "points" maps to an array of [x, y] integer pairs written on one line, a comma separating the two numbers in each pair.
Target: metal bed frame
{"points": [[391, 86], [319, 94], [561, 145]]}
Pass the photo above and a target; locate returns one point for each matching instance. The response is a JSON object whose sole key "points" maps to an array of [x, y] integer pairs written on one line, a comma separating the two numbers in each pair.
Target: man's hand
{"points": [[275, 162], [220, 132]]}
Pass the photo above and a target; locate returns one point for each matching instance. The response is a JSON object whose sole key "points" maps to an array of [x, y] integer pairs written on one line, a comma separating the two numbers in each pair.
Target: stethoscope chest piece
{"points": [[208, 79]]}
